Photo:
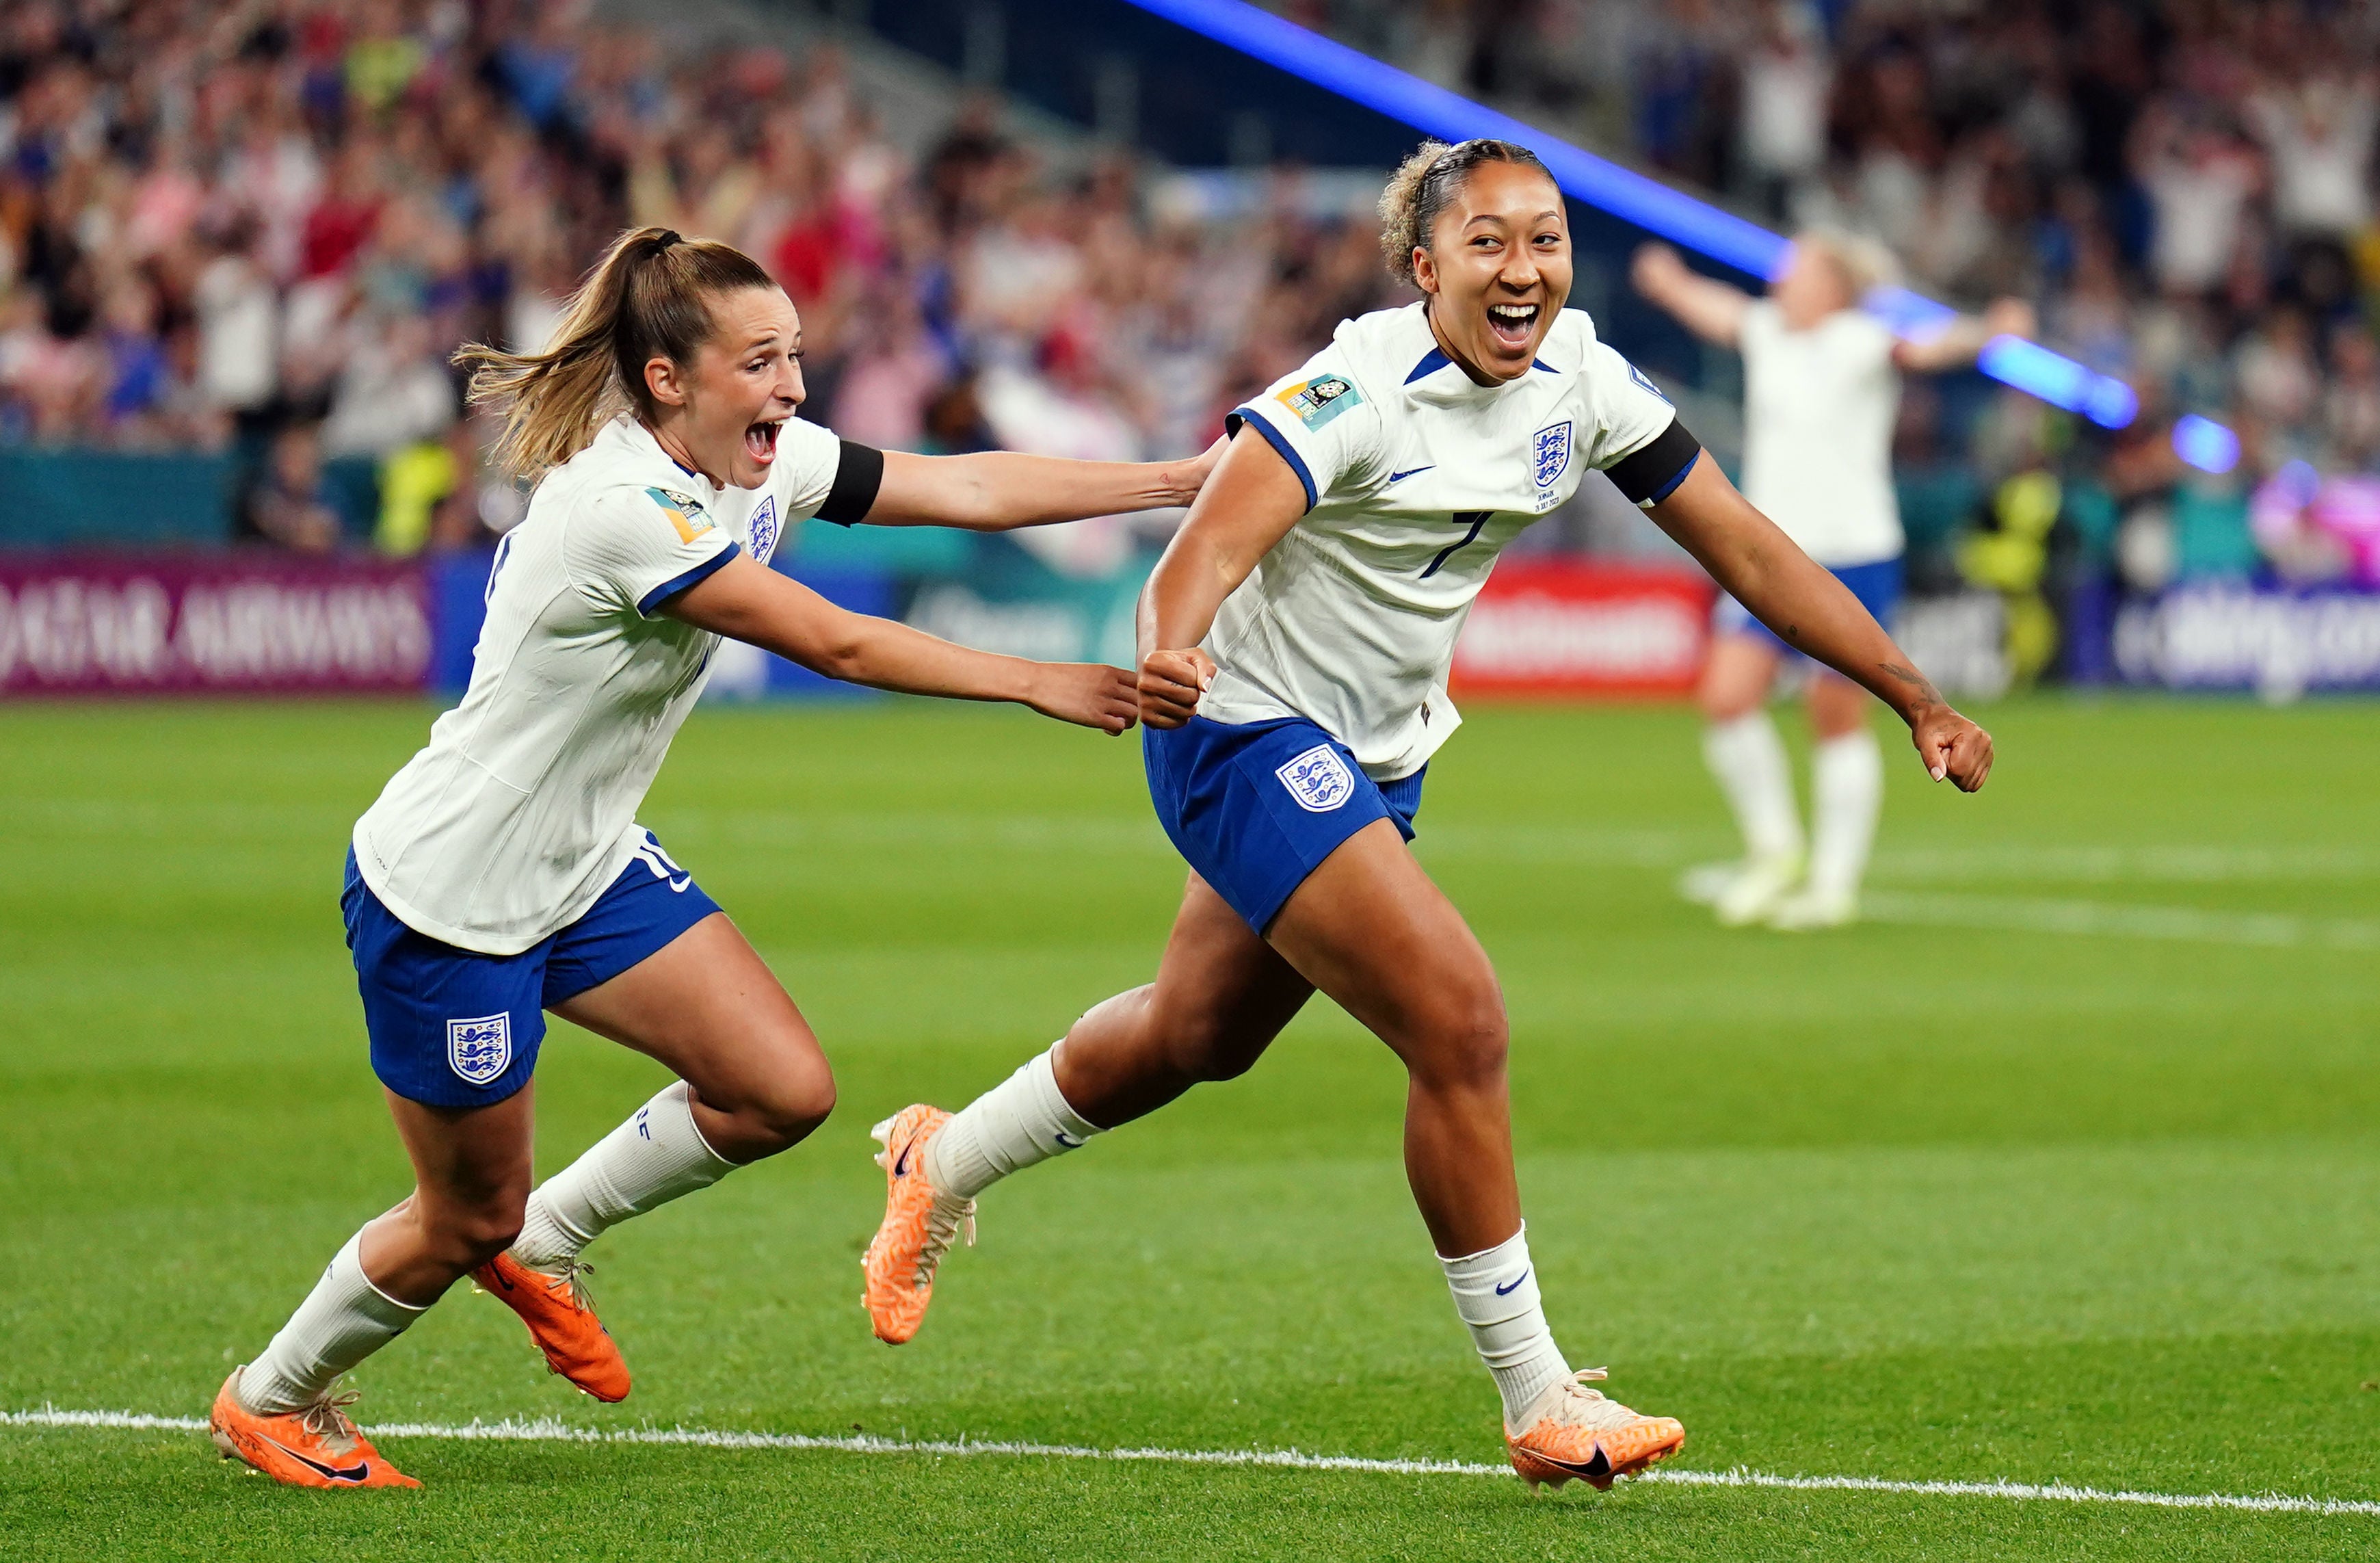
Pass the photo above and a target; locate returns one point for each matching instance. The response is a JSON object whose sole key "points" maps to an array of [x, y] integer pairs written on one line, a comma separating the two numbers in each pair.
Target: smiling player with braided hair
{"points": [[1294, 641]]}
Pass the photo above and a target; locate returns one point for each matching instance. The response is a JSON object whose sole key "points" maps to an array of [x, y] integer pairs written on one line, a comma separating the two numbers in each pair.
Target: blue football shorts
{"points": [[1255, 807], [453, 1028], [1877, 586]]}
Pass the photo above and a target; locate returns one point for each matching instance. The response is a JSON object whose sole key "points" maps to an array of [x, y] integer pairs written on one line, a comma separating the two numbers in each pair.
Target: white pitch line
{"points": [[547, 1430], [2190, 925]]}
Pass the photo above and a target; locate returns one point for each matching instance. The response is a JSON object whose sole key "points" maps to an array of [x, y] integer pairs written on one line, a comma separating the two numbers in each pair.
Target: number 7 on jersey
{"points": [[1471, 520]]}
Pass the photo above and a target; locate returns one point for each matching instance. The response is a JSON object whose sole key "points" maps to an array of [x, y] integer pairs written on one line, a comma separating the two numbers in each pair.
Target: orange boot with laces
{"points": [[316, 1445], [561, 1320]]}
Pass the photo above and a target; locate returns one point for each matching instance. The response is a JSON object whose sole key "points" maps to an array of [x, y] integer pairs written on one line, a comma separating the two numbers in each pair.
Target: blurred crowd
{"points": [[266, 225], [2184, 188]]}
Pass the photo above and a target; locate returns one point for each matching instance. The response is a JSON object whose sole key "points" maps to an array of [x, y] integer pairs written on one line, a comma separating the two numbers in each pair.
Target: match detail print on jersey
{"points": [[1317, 779]]}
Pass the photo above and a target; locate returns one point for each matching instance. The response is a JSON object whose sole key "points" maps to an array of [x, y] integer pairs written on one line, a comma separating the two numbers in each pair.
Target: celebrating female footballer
{"points": [[1295, 644], [1821, 391], [502, 873]]}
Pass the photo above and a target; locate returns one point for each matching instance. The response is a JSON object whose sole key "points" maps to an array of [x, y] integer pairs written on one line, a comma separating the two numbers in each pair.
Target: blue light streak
{"points": [[2206, 445], [1655, 207]]}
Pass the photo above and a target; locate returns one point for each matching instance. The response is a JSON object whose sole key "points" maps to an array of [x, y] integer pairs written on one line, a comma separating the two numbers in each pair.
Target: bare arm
{"points": [[1250, 504], [1815, 613], [997, 490], [1955, 345], [1710, 309], [750, 601]]}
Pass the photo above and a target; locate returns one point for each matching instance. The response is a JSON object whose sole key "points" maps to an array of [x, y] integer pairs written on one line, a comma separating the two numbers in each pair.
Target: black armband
{"points": [[1648, 475], [858, 473]]}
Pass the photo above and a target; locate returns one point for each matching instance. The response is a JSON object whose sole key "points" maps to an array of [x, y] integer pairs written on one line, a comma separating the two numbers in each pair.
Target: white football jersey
{"points": [[521, 810], [1819, 410], [1416, 478]]}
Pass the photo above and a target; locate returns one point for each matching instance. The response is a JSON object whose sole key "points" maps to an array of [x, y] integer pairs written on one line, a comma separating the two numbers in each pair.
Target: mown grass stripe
{"points": [[551, 1432]]}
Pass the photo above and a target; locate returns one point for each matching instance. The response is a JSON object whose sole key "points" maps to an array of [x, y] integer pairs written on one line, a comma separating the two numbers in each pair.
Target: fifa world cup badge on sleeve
{"points": [[479, 1049], [1318, 401], [1550, 456], [1319, 780], [685, 512]]}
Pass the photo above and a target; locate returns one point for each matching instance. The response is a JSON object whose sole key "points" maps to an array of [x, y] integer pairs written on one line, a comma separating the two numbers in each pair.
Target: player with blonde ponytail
{"points": [[502, 873]]}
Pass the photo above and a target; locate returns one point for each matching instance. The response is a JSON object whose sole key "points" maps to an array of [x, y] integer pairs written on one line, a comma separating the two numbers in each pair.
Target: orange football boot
{"points": [[1573, 1431], [314, 1445], [917, 1230], [561, 1320]]}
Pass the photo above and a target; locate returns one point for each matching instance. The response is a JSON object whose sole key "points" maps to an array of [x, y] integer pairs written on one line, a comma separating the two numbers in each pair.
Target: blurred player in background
{"points": [[1295, 641], [502, 873], [1821, 394]]}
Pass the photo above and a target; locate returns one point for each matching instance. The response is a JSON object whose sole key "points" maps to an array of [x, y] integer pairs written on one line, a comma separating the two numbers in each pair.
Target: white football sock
{"points": [[1022, 1120], [343, 1319], [1747, 759], [652, 1159], [1847, 794], [1496, 1293]]}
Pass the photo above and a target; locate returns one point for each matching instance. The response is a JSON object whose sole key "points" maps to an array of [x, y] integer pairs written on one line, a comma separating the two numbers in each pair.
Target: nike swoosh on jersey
{"points": [[1400, 476], [1507, 1292], [355, 1473]]}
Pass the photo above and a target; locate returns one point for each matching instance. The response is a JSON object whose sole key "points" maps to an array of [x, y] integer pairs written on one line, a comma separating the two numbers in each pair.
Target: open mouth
{"points": [[760, 440], [1512, 323]]}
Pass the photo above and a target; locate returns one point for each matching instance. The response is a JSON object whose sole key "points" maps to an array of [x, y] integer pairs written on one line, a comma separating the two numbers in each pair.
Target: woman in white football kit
{"points": [[502, 873], [1295, 644], [1821, 393]]}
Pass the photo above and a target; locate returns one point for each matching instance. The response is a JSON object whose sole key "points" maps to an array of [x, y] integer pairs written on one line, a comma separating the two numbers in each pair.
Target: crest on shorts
{"points": [[684, 511], [1549, 455], [478, 1050], [765, 529], [1318, 401], [1319, 780]]}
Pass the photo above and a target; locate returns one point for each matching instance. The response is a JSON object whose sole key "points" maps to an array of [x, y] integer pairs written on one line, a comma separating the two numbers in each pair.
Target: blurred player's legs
{"points": [[1747, 759], [1846, 796]]}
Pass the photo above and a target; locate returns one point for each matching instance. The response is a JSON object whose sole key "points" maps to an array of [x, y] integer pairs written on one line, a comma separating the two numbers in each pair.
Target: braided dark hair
{"points": [[1423, 185]]}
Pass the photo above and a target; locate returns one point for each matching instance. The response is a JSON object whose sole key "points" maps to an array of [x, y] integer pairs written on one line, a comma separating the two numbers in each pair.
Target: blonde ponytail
{"points": [[649, 297]]}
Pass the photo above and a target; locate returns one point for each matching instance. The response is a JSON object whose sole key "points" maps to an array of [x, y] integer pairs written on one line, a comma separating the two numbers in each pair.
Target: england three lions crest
{"points": [[1549, 458], [764, 530], [1317, 779], [478, 1050]]}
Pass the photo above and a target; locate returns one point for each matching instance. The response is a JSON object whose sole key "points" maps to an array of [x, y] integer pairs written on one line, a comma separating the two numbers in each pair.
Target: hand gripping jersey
{"points": [[1415, 478], [521, 809], [1818, 409]]}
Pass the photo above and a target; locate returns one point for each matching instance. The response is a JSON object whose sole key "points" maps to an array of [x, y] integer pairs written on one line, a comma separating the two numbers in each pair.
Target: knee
{"points": [[473, 1234], [1724, 700], [1463, 1041], [785, 1108]]}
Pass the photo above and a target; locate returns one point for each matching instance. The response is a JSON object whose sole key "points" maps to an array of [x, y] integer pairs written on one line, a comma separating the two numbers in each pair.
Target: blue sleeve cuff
{"points": [[695, 577], [1276, 439]]}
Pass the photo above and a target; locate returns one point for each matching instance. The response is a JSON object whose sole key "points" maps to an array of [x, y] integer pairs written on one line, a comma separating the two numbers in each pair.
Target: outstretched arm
{"points": [[1251, 503], [1815, 613], [752, 602], [1956, 345], [997, 490], [1710, 309]]}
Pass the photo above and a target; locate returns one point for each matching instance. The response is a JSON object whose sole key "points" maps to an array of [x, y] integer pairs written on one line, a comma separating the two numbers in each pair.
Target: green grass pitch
{"points": [[2066, 1172]]}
